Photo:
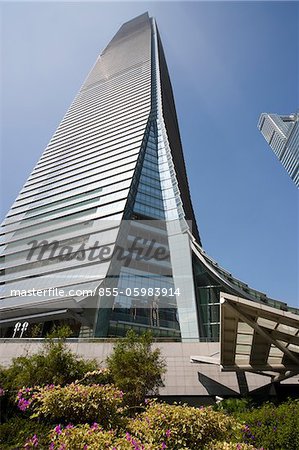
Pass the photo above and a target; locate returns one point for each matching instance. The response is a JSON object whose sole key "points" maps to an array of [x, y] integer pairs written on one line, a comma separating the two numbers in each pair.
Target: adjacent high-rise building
{"points": [[103, 236], [282, 134]]}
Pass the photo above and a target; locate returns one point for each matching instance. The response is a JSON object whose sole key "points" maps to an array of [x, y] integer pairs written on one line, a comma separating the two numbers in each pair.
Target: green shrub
{"points": [[182, 427], [273, 427], [55, 363], [136, 368], [74, 403], [15, 432], [234, 405]]}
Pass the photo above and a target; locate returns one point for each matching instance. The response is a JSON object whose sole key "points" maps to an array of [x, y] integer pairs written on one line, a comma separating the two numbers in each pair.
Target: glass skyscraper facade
{"points": [[103, 235], [282, 134]]}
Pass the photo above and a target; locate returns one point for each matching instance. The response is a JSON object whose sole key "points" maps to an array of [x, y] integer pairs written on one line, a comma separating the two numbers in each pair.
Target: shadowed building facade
{"points": [[103, 236]]}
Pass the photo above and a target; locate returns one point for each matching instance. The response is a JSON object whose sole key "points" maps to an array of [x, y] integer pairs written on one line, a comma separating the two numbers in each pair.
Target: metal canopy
{"points": [[258, 338]]}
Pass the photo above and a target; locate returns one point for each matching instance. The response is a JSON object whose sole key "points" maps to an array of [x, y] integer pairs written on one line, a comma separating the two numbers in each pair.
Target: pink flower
{"points": [[128, 437], [23, 404], [163, 446], [57, 429], [168, 432], [94, 426]]}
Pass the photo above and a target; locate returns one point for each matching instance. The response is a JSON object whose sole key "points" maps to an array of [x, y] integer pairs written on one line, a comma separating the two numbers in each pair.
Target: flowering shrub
{"points": [[175, 427], [74, 403], [230, 446], [271, 427], [85, 437], [99, 376]]}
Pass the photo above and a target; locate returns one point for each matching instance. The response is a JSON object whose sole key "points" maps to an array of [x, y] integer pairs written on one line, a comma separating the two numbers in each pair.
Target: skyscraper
{"points": [[282, 134], [103, 235]]}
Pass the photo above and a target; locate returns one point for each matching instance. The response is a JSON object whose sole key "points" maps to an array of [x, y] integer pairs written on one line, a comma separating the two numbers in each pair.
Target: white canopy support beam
{"points": [[235, 310], [258, 338]]}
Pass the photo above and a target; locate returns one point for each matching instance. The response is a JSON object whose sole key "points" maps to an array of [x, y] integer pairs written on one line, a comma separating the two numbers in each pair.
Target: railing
{"points": [[104, 340]]}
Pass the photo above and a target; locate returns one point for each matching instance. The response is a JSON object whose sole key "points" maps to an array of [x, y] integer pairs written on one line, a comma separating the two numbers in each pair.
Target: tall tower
{"points": [[282, 134], [103, 236]]}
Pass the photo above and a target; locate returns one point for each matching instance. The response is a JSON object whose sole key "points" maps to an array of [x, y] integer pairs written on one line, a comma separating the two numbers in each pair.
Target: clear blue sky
{"points": [[228, 62]]}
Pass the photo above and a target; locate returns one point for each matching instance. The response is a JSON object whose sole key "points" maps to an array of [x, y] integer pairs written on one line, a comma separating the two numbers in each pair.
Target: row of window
{"points": [[150, 181], [39, 226], [113, 65], [151, 173], [24, 254], [49, 226], [72, 260], [108, 167], [64, 131], [18, 244], [71, 231], [66, 257], [70, 197], [150, 190], [122, 111], [86, 158], [80, 181], [79, 108], [149, 211], [99, 127], [66, 276], [91, 148], [149, 200], [70, 190], [111, 81], [89, 169], [62, 214], [111, 86], [63, 209], [41, 209]]}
